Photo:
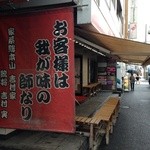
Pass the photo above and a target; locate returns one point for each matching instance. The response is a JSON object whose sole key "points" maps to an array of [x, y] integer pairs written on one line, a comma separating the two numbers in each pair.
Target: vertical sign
{"points": [[133, 30], [36, 71]]}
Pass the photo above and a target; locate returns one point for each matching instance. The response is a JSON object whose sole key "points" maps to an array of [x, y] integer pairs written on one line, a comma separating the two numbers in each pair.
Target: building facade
{"points": [[49, 60]]}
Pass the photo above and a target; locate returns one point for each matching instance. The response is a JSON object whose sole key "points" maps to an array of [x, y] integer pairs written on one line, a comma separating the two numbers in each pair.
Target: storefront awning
{"points": [[126, 50]]}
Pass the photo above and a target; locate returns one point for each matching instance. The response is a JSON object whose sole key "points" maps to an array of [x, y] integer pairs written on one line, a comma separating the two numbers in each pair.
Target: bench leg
{"points": [[111, 127], [107, 132], [91, 137], [115, 116], [114, 119]]}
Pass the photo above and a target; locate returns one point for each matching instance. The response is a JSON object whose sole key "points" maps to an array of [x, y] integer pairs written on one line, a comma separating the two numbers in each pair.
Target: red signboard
{"points": [[37, 71]]}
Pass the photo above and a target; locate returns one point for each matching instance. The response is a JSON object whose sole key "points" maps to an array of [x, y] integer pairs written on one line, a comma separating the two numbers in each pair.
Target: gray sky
{"points": [[143, 19]]}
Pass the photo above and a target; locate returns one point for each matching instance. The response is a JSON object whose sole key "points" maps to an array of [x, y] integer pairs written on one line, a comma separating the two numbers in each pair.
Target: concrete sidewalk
{"points": [[37, 140]]}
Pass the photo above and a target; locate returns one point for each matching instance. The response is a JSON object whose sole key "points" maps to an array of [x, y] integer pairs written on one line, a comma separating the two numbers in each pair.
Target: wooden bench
{"points": [[92, 89], [100, 123]]}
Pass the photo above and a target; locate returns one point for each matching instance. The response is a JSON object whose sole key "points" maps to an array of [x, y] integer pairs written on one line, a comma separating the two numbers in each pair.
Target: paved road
{"points": [[132, 130]]}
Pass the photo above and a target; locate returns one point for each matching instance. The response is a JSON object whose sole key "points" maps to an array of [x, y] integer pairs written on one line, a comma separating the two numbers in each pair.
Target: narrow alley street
{"points": [[132, 129]]}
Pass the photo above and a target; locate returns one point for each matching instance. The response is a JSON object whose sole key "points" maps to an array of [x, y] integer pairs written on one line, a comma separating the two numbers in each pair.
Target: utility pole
{"points": [[126, 20], [145, 33]]}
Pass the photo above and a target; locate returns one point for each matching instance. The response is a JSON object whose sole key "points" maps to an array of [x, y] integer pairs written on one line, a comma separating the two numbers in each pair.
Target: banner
{"points": [[36, 71]]}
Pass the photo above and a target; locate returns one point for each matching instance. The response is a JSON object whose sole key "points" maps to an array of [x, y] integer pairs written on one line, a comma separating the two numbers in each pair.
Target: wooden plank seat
{"points": [[91, 89], [108, 114], [88, 126], [100, 123]]}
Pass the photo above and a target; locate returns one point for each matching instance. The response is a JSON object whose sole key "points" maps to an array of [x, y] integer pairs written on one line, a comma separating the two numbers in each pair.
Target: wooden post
{"points": [[91, 137]]}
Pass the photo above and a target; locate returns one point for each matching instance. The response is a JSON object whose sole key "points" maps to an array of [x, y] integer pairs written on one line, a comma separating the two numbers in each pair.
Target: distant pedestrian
{"points": [[137, 79], [132, 82], [122, 82]]}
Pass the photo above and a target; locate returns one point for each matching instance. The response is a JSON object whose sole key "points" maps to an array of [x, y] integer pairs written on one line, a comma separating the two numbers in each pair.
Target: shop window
{"points": [[97, 2], [78, 75], [108, 2], [114, 3], [119, 9], [92, 71]]}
